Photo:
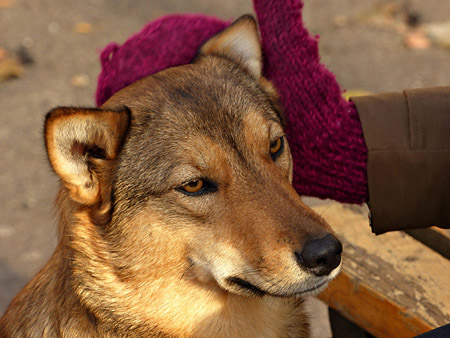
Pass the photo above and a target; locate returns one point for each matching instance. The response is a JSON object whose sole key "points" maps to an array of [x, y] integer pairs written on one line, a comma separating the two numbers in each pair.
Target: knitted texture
{"points": [[324, 132], [166, 42]]}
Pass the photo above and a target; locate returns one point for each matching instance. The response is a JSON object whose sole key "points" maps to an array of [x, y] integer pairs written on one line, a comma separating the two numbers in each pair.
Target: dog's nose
{"points": [[320, 255]]}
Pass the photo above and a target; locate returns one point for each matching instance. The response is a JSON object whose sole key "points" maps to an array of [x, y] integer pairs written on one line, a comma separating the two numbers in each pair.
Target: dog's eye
{"points": [[193, 186], [197, 187], [276, 147]]}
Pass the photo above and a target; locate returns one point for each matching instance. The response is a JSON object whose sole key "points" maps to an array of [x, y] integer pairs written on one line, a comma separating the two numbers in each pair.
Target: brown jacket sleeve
{"points": [[408, 140]]}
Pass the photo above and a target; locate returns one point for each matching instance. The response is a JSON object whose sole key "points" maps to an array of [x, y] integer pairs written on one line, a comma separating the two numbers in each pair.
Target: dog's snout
{"points": [[320, 255]]}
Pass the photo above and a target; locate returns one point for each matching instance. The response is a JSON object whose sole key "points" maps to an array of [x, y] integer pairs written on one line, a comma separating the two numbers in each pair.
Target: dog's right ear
{"points": [[80, 143], [240, 43]]}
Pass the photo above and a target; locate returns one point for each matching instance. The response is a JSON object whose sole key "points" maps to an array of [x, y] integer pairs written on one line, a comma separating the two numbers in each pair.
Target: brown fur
{"points": [[136, 256]]}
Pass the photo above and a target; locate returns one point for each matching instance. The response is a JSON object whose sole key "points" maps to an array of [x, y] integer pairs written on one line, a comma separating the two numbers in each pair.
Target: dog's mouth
{"points": [[258, 285], [251, 289], [245, 286]]}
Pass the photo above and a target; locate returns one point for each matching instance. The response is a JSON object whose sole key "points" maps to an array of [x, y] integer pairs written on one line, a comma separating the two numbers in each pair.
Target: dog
{"points": [[177, 217]]}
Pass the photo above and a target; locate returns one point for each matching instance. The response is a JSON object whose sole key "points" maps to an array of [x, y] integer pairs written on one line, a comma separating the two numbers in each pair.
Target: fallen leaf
{"points": [[381, 15], [354, 92], [417, 39], [10, 68], [6, 4], [82, 28], [439, 33], [340, 21], [79, 80]]}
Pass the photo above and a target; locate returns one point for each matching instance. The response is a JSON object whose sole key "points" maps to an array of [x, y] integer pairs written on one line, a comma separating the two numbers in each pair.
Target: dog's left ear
{"points": [[81, 146], [240, 43]]}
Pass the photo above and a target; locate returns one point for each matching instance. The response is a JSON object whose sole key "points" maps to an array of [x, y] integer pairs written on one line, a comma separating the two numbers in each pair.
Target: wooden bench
{"points": [[391, 285]]}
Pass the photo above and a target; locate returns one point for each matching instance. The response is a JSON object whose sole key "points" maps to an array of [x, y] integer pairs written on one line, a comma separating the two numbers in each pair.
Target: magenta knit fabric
{"points": [[325, 135], [166, 42]]}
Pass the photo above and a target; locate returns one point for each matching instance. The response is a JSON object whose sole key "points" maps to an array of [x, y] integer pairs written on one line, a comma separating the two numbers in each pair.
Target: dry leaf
{"points": [[340, 21], [354, 92], [82, 28], [10, 68], [417, 40], [381, 15], [439, 33], [6, 4], [79, 80]]}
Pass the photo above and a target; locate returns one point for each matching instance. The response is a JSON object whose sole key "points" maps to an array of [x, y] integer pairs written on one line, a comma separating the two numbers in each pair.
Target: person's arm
{"points": [[408, 166]]}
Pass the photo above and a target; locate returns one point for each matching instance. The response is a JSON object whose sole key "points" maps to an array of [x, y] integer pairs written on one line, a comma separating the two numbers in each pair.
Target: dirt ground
{"points": [[371, 45]]}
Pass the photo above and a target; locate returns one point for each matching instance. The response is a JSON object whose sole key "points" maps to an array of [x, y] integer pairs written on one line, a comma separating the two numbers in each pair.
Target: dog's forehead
{"points": [[213, 94]]}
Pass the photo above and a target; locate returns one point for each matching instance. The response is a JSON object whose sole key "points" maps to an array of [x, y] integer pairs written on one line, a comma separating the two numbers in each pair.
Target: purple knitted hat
{"points": [[166, 42], [325, 135]]}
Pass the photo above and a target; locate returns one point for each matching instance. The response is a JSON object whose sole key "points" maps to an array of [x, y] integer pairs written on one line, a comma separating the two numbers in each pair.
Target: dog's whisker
{"points": [[324, 211], [185, 271]]}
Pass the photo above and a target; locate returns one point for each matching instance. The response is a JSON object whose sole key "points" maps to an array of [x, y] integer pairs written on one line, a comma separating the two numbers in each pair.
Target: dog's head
{"points": [[188, 172]]}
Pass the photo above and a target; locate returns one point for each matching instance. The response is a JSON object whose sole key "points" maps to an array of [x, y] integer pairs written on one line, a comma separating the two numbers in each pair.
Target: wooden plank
{"points": [[370, 310], [436, 238], [391, 285]]}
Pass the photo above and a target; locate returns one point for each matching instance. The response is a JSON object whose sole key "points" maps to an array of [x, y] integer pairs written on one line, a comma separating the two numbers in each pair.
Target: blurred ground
{"points": [[372, 46]]}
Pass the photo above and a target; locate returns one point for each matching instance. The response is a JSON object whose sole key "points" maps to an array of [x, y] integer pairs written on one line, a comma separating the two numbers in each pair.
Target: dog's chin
{"points": [[309, 286], [243, 287], [317, 287], [314, 290]]}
